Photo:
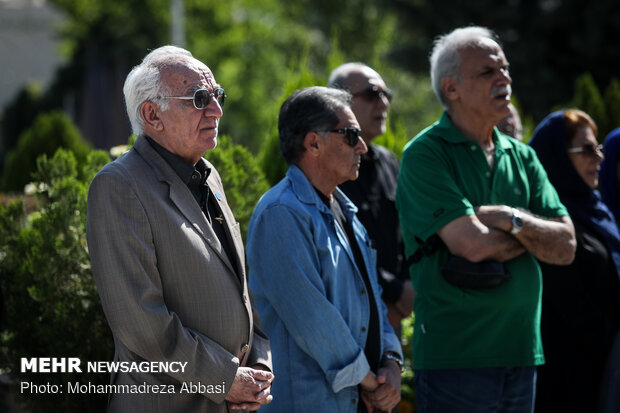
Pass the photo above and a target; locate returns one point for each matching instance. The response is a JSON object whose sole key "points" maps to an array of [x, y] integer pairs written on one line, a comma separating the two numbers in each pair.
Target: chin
{"points": [[211, 143]]}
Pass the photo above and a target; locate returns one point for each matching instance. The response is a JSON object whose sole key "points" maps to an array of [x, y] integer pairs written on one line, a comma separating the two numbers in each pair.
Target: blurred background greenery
{"points": [[562, 53], [261, 50]]}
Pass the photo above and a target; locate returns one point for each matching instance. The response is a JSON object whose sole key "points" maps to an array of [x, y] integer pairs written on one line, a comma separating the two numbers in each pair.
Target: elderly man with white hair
{"points": [[167, 254], [477, 213]]}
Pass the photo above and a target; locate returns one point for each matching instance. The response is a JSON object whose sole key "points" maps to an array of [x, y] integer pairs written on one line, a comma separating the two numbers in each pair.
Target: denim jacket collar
{"points": [[305, 192]]}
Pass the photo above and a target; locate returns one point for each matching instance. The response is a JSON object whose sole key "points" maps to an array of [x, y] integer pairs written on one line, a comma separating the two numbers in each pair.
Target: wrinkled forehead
{"points": [[185, 73]]}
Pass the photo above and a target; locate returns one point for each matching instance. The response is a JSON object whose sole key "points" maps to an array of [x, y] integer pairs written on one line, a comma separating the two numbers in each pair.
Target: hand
{"points": [[250, 389], [369, 383], [387, 395], [495, 216]]}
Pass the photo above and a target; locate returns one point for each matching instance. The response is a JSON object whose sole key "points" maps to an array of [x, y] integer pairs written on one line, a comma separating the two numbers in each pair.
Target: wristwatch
{"points": [[517, 222], [394, 356]]}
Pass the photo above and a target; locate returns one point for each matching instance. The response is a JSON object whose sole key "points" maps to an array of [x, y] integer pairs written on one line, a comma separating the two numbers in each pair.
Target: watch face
{"points": [[517, 222]]}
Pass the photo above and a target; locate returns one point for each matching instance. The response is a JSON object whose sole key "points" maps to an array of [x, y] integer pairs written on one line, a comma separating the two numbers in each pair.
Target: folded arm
{"points": [[468, 237], [550, 240]]}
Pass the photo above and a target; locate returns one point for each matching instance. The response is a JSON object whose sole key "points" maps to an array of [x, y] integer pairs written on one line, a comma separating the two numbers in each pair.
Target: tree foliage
{"points": [[612, 105], [51, 307], [548, 43], [603, 108], [260, 51], [18, 115], [588, 98], [242, 178], [49, 132]]}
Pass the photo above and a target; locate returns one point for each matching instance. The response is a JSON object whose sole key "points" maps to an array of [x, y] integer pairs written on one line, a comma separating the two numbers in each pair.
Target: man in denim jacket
{"points": [[313, 270]]}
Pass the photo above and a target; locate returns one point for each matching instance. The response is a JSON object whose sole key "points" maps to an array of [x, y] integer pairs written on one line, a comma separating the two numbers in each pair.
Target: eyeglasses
{"points": [[590, 150], [352, 134], [202, 97], [374, 93]]}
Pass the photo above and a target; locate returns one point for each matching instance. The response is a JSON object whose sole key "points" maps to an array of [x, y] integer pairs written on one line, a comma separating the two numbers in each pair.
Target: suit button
{"points": [[245, 348]]}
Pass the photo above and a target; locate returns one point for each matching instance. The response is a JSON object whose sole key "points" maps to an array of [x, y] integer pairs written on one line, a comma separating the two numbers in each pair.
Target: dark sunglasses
{"points": [[590, 150], [352, 134], [202, 97], [374, 93]]}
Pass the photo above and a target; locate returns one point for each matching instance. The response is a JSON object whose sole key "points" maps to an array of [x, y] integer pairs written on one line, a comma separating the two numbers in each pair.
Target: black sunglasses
{"points": [[202, 97], [352, 134], [374, 93], [591, 149]]}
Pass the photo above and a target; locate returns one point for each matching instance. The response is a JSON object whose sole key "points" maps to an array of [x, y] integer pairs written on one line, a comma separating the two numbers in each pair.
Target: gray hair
{"points": [[445, 58], [312, 109], [143, 83]]}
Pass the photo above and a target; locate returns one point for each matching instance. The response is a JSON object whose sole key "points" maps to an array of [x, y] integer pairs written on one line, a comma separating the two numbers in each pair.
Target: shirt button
{"points": [[354, 401], [488, 174], [363, 291], [245, 348], [363, 329], [473, 147]]}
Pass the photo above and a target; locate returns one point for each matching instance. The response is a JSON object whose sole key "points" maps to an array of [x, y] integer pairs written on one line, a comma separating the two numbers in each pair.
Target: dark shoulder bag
{"points": [[460, 272]]}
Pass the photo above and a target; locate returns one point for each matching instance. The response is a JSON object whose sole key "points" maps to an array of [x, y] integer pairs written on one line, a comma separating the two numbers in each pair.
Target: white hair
{"points": [[445, 58], [143, 83]]}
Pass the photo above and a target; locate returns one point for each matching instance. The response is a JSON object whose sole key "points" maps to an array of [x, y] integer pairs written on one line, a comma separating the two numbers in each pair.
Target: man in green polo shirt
{"points": [[471, 200]]}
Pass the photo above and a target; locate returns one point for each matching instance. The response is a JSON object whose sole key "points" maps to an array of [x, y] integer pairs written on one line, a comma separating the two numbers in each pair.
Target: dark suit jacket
{"points": [[167, 287]]}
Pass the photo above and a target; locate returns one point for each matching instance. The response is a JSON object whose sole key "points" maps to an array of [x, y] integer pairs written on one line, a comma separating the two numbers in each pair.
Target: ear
{"points": [[449, 88], [312, 143], [150, 114]]}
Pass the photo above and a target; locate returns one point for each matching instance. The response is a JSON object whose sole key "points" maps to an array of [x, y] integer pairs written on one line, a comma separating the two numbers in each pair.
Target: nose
{"points": [[361, 146], [383, 100], [505, 76], [213, 109]]}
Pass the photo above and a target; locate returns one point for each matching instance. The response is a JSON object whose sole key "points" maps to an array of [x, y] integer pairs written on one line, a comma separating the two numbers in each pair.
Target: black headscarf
{"points": [[583, 203]]}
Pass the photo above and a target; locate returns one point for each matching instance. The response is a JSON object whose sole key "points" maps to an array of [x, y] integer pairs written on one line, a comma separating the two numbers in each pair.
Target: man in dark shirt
{"points": [[375, 189]]}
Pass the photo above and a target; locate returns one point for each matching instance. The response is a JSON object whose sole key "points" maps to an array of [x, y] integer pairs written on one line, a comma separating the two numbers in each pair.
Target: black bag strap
{"points": [[426, 249]]}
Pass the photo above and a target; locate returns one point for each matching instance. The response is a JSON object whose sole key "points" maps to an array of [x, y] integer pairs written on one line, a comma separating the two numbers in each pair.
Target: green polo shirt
{"points": [[443, 176]]}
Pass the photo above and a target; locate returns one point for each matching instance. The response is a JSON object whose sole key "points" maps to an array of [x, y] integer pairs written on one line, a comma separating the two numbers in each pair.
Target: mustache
{"points": [[501, 90]]}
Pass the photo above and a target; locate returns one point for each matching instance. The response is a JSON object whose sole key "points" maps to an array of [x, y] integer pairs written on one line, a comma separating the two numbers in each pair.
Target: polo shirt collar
{"points": [[449, 132]]}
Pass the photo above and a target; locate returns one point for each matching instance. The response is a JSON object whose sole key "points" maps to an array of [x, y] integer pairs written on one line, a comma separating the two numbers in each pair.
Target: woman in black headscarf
{"points": [[581, 301]]}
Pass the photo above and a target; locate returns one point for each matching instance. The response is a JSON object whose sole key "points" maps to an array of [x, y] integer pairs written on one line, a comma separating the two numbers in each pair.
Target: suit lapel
{"points": [[182, 198], [237, 243]]}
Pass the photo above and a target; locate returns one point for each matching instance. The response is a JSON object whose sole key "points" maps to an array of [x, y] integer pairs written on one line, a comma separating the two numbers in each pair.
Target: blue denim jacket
{"points": [[312, 298]]}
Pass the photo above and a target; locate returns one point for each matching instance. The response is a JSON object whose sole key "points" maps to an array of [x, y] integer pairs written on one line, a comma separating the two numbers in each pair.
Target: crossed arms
{"points": [[486, 235]]}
